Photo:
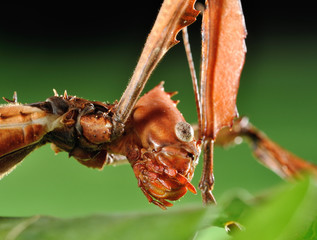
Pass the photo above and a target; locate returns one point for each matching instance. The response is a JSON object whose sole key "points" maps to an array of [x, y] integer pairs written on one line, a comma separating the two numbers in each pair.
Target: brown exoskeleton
{"points": [[163, 159], [150, 132]]}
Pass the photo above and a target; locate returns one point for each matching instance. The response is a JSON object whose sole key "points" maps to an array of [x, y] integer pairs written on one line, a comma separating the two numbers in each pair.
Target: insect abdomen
{"points": [[21, 130]]}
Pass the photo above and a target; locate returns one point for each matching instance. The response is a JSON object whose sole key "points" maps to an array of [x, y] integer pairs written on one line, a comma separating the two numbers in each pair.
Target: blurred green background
{"points": [[92, 52]]}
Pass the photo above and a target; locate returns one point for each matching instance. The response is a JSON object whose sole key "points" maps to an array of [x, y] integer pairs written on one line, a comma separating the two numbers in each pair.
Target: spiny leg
{"points": [[161, 203]]}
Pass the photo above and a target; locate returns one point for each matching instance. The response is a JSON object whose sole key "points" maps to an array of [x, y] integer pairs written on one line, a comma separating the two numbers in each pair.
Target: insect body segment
{"points": [[21, 130], [157, 141], [149, 132], [85, 128], [71, 124], [163, 164]]}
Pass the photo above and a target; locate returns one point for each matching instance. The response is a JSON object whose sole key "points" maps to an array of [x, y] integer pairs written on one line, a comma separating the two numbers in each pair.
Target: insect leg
{"points": [[173, 16], [207, 178], [223, 53], [9, 161], [270, 154]]}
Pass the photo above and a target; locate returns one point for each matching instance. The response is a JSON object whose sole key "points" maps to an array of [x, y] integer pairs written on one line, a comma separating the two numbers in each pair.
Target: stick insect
{"points": [[149, 132]]}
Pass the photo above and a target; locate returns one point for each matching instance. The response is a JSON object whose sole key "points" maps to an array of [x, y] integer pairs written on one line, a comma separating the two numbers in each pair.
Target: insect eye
{"points": [[184, 131]]}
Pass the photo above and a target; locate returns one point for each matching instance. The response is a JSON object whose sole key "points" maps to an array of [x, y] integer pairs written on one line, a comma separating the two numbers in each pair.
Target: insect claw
{"points": [[184, 180], [166, 203], [55, 92], [191, 188], [162, 206], [207, 196]]}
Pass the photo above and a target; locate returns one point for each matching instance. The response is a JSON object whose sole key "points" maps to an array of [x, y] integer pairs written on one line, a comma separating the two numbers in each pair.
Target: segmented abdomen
{"points": [[21, 130]]}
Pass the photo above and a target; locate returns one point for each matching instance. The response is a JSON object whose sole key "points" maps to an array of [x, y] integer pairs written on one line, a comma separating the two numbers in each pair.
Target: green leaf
{"points": [[166, 225], [290, 214], [7, 224], [232, 207], [212, 233], [312, 231]]}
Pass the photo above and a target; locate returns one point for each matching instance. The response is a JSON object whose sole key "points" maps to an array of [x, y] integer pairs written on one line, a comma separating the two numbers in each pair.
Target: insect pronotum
{"points": [[149, 132]]}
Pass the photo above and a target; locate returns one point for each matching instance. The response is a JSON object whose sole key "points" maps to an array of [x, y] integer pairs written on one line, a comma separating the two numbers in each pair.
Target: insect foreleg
{"points": [[173, 16]]}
